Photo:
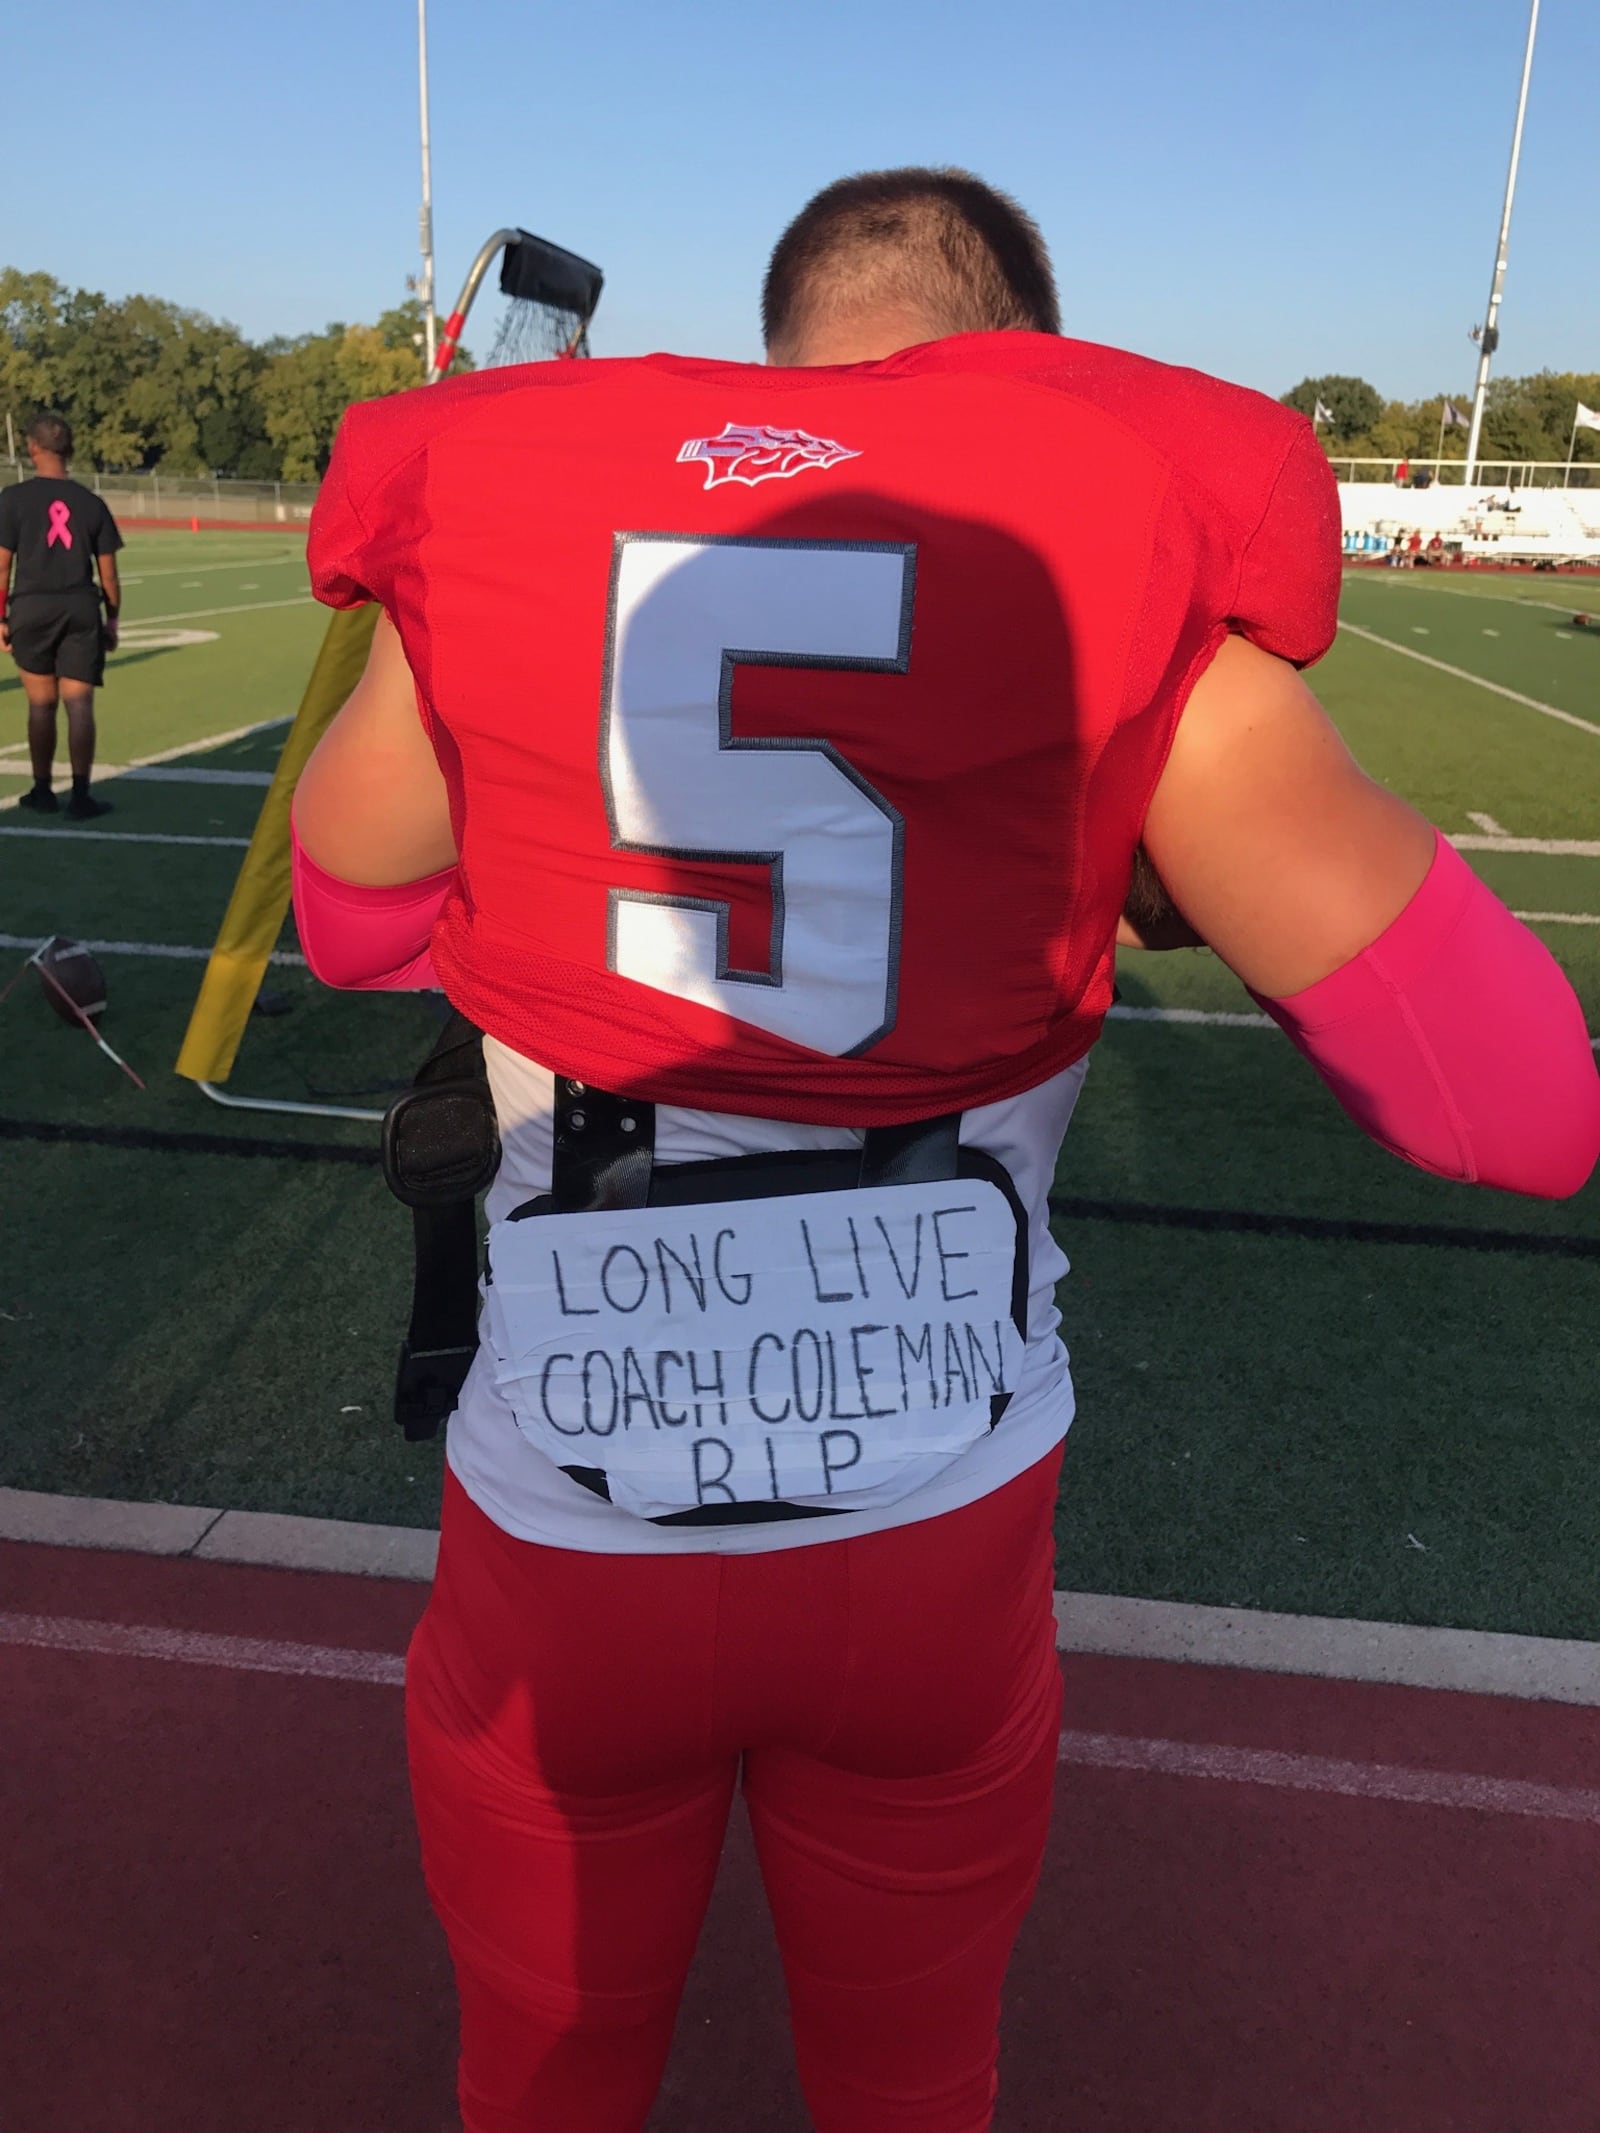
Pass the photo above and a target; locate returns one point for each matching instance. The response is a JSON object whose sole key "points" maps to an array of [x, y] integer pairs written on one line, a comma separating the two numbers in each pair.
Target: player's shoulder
{"points": [[1222, 436]]}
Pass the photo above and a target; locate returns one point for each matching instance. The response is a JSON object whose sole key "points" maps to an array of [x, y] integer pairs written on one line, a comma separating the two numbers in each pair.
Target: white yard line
{"points": [[153, 774], [248, 607], [1488, 825], [1551, 847], [212, 740], [1495, 688], [1588, 595], [173, 952], [255, 562], [1557, 918], [1232, 1018], [72, 833]]}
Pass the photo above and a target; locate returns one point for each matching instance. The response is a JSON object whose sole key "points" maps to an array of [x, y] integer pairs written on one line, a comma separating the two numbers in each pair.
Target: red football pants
{"points": [[577, 1723]]}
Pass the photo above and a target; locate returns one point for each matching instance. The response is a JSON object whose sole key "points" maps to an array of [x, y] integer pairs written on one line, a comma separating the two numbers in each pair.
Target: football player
{"points": [[759, 757]]}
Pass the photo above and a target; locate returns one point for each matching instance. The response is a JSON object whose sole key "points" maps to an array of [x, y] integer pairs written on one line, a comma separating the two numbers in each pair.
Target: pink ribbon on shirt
{"points": [[60, 524]]}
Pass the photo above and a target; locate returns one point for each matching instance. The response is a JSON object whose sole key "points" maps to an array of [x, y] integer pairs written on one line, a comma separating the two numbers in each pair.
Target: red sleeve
{"points": [[1288, 596], [340, 550]]}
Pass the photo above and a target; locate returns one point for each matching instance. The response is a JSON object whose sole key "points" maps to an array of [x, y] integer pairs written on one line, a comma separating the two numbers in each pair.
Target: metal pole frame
{"points": [[1497, 284], [430, 324]]}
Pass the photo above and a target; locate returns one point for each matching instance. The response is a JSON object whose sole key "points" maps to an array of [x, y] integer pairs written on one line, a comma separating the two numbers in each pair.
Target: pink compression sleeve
{"points": [[362, 939], [1456, 1042]]}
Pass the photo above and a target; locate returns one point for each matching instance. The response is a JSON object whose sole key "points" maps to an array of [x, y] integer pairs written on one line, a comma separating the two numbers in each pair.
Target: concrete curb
{"points": [[1476, 1662]]}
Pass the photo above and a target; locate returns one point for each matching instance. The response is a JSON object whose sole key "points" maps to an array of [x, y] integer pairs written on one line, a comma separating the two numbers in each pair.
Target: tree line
{"points": [[146, 384], [1523, 418]]}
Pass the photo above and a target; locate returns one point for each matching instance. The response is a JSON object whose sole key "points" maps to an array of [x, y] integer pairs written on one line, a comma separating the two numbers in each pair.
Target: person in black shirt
{"points": [[58, 533]]}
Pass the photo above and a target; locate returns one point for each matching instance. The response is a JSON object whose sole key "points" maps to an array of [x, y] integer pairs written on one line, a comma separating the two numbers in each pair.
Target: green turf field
{"points": [[1309, 1377]]}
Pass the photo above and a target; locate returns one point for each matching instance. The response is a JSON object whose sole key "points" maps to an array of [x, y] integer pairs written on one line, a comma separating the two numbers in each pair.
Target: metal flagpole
{"points": [[1489, 336], [1572, 446], [425, 219]]}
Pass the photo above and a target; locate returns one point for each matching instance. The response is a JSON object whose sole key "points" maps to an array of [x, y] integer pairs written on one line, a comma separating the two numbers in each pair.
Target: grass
{"points": [[1383, 1406]]}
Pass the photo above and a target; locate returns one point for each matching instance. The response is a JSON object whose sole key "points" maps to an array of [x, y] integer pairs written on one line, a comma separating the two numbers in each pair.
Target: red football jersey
{"points": [[800, 724]]}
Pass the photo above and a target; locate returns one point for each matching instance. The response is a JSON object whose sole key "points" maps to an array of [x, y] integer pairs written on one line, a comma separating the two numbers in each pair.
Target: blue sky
{"points": [[1264, 188]]}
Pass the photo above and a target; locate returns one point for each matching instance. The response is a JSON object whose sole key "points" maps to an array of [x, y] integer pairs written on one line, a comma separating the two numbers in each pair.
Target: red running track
{"points": [[213, 1923]]}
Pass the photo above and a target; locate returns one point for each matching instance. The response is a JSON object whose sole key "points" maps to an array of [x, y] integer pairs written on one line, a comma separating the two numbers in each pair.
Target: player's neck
{"points": [[866, 339], [50, 466]]}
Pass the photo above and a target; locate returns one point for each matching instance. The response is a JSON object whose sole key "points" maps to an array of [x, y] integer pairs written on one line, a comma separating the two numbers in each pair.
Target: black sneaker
{"points": [[83, 807], [41, 800]]}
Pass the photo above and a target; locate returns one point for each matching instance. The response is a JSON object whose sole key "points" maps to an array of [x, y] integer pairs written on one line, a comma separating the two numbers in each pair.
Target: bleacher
{"points": [[1541, 525]]}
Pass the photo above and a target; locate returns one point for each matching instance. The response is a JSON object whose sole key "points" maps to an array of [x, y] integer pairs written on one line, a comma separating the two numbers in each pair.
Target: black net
{"points": [[551, 295]]}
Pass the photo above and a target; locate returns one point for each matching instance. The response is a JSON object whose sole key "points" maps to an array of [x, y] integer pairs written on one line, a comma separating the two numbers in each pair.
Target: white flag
{"points": [[1588, 417], [1322, 413], [1453, 417]]}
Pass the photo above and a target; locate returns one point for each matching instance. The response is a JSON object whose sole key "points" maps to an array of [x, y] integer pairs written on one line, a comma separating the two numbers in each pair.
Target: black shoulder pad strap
{"points": [[441, 1148]]}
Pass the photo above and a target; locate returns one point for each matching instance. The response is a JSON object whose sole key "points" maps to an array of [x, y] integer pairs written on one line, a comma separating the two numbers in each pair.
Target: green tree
{"points": [[1354, 405], [308, 384]]}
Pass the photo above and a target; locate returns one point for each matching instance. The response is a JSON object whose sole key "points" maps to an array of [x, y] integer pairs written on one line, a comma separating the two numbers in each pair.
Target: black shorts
{"points": [[59, 634]]}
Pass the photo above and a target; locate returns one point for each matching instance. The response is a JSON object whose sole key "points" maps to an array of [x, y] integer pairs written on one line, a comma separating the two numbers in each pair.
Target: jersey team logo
{"points": [[752, 452]]}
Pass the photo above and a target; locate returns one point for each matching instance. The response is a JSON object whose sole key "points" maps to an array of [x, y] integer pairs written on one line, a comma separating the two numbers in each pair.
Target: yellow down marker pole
{"points": [[260, 900]]}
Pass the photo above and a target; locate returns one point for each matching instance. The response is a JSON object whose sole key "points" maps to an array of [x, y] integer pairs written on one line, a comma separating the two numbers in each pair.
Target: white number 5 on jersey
{"points": [[685, 612]]}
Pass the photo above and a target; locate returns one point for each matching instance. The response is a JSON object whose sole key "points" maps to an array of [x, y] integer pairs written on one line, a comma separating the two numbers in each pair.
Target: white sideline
{"points": [[152, 774], [247, 607], [1496, 688], [284, 957], [1479, 1662], [76, 833]]}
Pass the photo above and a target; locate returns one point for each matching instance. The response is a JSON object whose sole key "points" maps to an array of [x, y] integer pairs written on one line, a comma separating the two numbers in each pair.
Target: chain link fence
{"points": [[185, 496]]}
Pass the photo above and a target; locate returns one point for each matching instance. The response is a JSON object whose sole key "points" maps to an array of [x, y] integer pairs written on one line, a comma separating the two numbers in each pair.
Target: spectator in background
{"points": [[58, 533]]}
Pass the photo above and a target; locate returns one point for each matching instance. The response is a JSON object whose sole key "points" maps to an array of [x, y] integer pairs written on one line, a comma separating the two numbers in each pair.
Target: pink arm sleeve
{"points": [[366, 940], [1456, 1042]]}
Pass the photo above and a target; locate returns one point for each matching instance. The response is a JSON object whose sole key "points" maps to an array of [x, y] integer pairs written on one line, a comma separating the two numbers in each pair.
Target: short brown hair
{"points": [[51, 434], [937, 244]]}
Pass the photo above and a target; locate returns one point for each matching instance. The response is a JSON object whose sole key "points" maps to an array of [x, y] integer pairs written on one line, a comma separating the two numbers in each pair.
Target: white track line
{"points": [[72, 834], [194, 1647], [1274, 1769], [161, 950], [1331, 1774], [249, 607], [1495, 688]]}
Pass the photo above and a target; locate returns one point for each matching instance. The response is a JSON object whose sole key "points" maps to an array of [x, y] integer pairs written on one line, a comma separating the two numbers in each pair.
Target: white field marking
{"points": [[212, 740], [1268, 1767], [1459, 592], [1488, 825], [248, 607], [255, 562], [1233, 1018], [1552, 847], [1420, 629], [169, 952], [15, 748], [251, 588], [1491, 633], [195, 1647], [1495, 688], [1326, 1774], [154, 774], [191, 585], [73, 834], [1557, 918]]}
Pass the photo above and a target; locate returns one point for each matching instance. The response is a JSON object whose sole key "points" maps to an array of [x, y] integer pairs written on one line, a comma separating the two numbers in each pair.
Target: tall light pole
{"points": [[425, 218], [1489, 335]]}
